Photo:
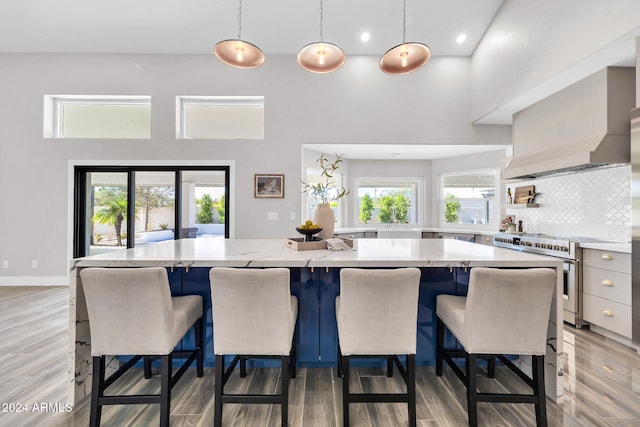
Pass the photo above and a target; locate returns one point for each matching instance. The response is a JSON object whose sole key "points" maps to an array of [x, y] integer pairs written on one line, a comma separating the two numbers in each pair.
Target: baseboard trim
{"points": [[34, 281]]}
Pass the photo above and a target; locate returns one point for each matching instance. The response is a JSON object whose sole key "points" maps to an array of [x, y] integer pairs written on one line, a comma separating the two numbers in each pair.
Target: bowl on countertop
{"points": [[308, 233]]}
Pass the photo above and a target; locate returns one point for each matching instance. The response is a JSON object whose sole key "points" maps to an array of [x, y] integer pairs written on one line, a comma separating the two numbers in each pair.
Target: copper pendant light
{"points": [[406, 57], [237, 52], [321, 57]]}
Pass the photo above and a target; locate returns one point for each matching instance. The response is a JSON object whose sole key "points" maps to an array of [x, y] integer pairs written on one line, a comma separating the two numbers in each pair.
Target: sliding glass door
{"points": [[116, 207]]}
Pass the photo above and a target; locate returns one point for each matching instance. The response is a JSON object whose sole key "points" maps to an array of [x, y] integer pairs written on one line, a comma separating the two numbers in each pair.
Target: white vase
{"points": [[324, 217]]}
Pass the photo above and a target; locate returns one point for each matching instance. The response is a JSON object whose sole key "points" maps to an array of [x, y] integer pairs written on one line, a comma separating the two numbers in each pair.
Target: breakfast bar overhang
{"points": [[444, 263]]}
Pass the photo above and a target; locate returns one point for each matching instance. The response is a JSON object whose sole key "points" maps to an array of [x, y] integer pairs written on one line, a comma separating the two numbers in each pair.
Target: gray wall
{"points": [[358, 104]]}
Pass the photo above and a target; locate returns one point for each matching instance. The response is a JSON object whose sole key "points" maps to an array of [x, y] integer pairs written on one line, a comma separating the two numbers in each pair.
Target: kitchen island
{"points": [[444, 264]]}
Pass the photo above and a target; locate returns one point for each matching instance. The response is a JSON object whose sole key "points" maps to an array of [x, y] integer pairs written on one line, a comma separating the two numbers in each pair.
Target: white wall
{"points": [[357, 104], [529, 43]]}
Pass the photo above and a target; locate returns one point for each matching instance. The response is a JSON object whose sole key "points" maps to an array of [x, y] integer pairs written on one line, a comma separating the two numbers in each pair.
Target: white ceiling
{"points": [[276, 26]]}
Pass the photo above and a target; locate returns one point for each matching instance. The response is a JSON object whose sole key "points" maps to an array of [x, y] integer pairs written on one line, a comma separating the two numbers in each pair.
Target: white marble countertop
{"points": [[209, 252], [623, 247], [417, 227]]}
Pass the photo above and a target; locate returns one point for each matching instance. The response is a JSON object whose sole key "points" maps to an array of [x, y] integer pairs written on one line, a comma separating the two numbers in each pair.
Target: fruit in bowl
{"points": [[308, 229]]}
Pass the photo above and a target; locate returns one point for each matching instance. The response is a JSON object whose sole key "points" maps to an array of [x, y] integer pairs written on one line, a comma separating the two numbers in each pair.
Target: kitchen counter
{"points": [[613, 247], [417, 227], [204, 252], [444, 264]]}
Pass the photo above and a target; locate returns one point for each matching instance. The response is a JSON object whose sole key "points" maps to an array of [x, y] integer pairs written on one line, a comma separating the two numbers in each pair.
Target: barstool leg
{"points": [[389, 367], [491, 367], [147, 367], [472, 402], [345, 391], [243, 367], [538, 390], [294, 355], [165, 390], [284, 374], [199, 347], [411, 388], [97, 391], [439, 347], [219, 375], [339, 361]]}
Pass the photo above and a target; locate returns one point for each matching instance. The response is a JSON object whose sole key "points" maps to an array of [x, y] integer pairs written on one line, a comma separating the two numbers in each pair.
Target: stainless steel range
{"points": [[567, 248]]}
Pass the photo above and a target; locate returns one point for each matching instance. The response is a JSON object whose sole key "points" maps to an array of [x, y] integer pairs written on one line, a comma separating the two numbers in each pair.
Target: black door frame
{"points": [[80, 198]]}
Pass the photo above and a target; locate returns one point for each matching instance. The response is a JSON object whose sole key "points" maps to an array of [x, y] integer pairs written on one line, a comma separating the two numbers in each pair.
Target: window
{"points": [[388, 200], [79, 116], [468, 198], [220, 117], [120, 207]]}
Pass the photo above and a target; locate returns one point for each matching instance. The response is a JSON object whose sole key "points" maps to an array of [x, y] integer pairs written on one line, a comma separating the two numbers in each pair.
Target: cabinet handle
{"points": [[608, 257], [607, 282], [608, 369], [607, 313]]}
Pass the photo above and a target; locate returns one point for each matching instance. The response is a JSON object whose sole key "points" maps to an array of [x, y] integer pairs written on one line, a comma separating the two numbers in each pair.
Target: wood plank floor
{"points": [[600, 381]]}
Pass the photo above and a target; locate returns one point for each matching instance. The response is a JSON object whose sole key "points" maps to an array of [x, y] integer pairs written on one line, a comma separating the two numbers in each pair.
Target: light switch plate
{"points": [[292, 216], [272, 216]]}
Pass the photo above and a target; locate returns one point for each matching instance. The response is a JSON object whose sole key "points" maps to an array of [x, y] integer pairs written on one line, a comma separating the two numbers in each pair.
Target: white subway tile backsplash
{"points": [[594, 203]]}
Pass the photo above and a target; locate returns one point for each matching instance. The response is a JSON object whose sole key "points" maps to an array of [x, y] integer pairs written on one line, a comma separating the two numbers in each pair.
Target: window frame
{"points": [[183, 101], [420, 196], [496, 200], [54, 111], [79, 201]]}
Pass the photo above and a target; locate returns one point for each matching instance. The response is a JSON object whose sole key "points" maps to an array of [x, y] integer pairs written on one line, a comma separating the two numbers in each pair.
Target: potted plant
{"points": [[325, 192]]}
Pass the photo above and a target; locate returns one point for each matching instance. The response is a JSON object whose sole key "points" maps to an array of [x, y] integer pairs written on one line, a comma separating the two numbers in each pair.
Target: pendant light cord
{"points": [[240, 20], [321, 18], [404, 21]]}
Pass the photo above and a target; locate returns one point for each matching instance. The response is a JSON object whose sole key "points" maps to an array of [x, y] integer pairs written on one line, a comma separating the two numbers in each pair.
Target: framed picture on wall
{"points": [[268, 186]]}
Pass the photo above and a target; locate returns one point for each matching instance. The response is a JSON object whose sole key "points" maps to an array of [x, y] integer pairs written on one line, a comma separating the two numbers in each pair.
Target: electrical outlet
{"points": [[292, 216], [5, 264], [34, 263]]}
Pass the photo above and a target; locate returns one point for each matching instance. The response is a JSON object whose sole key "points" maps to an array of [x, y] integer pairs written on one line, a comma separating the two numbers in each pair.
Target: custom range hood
{"points": [[583, 126]]}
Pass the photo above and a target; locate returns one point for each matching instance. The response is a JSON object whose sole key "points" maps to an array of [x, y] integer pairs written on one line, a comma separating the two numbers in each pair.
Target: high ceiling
{"points": [[276, 26]]}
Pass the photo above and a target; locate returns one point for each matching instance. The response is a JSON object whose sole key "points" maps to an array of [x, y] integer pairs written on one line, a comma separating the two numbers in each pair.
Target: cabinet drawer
{"points": [[354, 235], [608, 314], [607, 284], [484, 239], [617, 261]]}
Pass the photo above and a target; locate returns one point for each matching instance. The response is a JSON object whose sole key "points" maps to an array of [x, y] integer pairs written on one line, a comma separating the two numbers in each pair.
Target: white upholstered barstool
{"points": [[377, 316], [131, 312], [254, 316], [505, 312]]}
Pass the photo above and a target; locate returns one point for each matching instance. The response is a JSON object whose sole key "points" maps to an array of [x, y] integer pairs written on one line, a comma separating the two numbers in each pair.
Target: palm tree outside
{"points": [[114, 210]]}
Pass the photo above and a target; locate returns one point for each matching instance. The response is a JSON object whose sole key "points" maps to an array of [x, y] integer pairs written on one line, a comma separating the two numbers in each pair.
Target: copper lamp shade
{"points": [[239, 53], [405, 58], [321, 57]]}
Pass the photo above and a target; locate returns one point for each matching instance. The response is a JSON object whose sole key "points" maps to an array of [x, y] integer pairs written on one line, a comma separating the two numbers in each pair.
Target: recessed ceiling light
{"points": [[365, 36], [461, 38]]}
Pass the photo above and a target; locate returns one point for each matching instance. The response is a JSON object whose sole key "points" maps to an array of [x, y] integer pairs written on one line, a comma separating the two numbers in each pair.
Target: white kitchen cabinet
{"points": [[484, 239], [606, 288], [352, 235]]}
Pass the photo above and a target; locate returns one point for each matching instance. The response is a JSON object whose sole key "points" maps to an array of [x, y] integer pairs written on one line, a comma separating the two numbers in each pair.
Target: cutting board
{"points": [[525, 194]]}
